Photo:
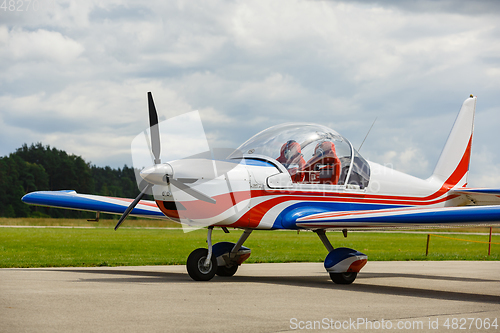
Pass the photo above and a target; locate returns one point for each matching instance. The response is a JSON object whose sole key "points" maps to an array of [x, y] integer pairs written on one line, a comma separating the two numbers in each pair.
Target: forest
{"points": [[42, 168]]}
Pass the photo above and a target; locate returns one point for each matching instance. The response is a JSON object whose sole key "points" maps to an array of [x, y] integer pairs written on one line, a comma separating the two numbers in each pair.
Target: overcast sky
{"points": [[74, 75]]}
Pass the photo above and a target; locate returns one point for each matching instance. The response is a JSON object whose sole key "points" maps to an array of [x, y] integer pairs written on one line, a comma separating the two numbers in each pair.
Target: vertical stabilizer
{"points": [[453, 165]]}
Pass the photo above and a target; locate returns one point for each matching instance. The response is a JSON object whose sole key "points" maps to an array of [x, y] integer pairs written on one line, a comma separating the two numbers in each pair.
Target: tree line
{"points": [[42, 168]]}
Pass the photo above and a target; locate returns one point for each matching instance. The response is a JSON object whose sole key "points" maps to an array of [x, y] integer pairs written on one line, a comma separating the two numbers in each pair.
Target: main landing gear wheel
{"points": [[226, 271], [343, 278], [196, 265]]}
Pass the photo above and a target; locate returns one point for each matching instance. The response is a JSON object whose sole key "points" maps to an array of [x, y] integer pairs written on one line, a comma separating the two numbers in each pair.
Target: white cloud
{"points": [[484, 171], [75, 74], [96, 120], [410, 160], [40, 45]]}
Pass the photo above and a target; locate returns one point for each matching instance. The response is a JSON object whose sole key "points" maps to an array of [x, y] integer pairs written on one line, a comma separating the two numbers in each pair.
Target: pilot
{"points": [[324, 167], [291, 157]]}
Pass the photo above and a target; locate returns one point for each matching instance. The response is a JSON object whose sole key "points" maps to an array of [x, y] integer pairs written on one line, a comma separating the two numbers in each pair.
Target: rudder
{"points": [[452, 167]]}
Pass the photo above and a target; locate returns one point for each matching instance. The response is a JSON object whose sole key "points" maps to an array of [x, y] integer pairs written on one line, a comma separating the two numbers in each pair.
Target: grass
{"points": [[59, 247], [103, 223]]}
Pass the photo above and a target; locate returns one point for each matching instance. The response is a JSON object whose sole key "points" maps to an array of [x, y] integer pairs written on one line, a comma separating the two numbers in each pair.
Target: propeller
{"points": [[155, 130], [159, 173], [155, 148], [132, 205], [191, 191]]}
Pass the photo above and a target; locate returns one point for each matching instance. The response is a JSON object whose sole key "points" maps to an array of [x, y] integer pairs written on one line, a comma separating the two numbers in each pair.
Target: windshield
{"points": [[311, 153]]}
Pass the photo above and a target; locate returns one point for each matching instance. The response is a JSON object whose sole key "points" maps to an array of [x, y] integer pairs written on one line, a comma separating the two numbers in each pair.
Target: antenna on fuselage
{"points": [[361, 145]]}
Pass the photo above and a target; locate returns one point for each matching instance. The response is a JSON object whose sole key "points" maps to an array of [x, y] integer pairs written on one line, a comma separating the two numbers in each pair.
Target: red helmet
{"points": [[323, 148], [290, 149]]}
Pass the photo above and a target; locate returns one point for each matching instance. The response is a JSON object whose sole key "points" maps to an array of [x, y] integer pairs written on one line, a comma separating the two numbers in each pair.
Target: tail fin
{"points": [[452, 167]]}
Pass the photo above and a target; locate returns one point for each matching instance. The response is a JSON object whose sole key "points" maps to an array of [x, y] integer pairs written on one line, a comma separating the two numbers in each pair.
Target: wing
{"points": [[479, 196], [93, 203], [403, 217]]}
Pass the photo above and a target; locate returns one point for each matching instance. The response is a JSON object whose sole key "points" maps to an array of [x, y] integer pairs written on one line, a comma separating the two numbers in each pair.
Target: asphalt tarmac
{"points": [[386, 296]]}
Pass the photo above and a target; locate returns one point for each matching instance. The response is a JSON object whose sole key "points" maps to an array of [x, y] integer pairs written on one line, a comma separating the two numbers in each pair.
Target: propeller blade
{"points": [[155, 131], [132, 205], [191, 191]]}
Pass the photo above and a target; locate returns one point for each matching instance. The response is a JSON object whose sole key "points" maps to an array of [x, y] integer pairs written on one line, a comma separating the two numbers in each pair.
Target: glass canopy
{"points": [[311, 153]]}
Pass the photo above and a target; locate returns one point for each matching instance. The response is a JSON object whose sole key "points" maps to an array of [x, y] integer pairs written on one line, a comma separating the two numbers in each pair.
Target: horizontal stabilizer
{"points": [[479, 196], [404, 217], [93, 203], [472, 191]]}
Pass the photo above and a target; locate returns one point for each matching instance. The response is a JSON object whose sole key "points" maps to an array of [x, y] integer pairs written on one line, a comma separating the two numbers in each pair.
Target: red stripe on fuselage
{"points": [[252, 218], [198, 209]]}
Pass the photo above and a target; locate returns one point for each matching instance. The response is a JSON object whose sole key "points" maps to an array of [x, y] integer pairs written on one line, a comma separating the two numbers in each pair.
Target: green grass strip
{"points": [[77, 247]]}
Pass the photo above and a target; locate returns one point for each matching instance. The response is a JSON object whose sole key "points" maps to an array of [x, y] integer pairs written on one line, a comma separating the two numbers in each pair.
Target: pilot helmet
{"points": [[290, 149], [323, 147]]}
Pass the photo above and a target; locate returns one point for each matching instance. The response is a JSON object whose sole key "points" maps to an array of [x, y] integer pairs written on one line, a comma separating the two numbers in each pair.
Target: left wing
{"points": [[93, 203], [403, 217]]}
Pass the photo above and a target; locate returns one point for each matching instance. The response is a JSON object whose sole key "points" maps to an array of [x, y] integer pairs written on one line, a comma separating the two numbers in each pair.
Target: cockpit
{"points": [[312, 154]]}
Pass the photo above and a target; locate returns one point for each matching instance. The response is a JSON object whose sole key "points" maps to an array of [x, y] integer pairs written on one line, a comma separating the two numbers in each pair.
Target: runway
{"points": [[417, 296]]}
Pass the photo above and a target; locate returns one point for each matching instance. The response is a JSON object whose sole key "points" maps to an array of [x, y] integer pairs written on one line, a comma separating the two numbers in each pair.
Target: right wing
{"points": [[413, 217]]}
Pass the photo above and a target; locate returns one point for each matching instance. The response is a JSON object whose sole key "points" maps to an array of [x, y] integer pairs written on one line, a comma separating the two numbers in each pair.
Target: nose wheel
{"points": [[222, 258], [197, 266]]}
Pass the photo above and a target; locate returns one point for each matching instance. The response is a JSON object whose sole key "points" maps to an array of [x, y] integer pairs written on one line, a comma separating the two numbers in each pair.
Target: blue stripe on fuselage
{"points": [[288, 217]]}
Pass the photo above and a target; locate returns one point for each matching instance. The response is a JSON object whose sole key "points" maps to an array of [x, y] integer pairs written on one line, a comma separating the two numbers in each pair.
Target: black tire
{"points": [[195, 265], [343, 278], [226, 271]]}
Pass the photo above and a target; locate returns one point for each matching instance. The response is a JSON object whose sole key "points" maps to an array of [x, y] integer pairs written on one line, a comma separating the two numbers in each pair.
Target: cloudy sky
{"points": [[74, 74]]}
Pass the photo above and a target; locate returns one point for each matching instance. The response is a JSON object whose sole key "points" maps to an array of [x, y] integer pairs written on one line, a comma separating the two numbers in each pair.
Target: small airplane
{"points": [[297, 176]]}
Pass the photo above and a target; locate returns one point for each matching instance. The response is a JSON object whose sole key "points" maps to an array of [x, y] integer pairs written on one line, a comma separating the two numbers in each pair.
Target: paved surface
{"points": [[259, 298]]}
